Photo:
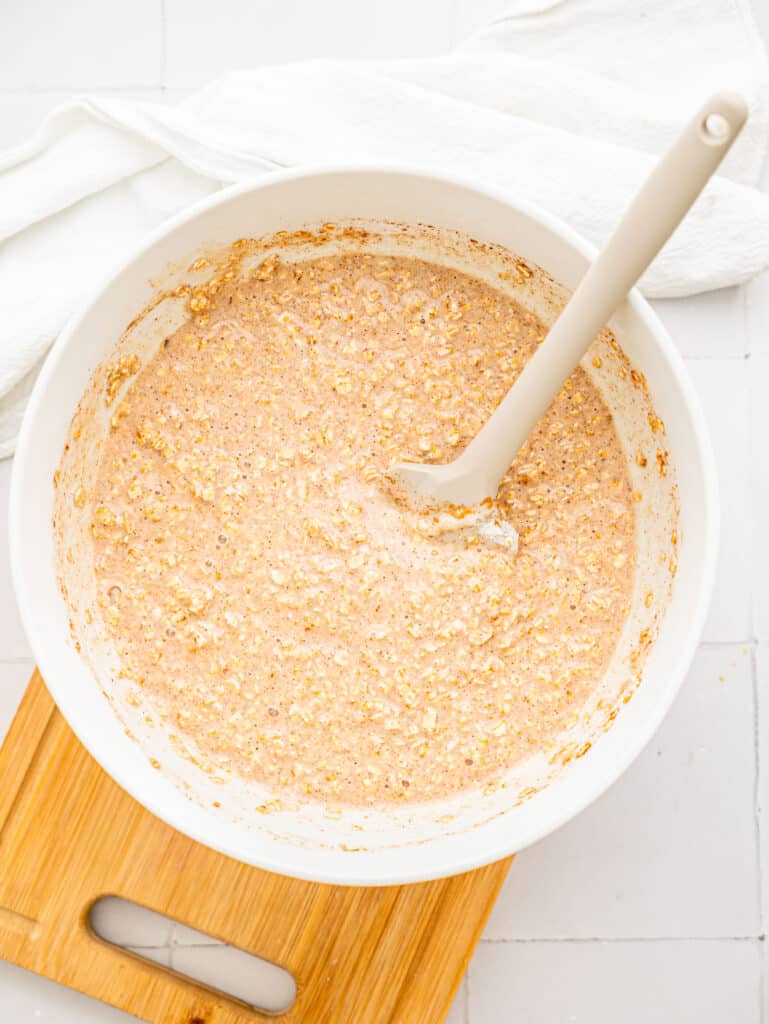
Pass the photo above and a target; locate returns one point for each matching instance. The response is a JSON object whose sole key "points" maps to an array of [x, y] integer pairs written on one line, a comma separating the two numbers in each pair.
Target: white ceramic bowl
{"points": [[414, 843]]}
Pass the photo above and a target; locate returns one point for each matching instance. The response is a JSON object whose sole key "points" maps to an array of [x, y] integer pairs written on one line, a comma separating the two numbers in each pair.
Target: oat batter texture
{"points": [[284, 614]]}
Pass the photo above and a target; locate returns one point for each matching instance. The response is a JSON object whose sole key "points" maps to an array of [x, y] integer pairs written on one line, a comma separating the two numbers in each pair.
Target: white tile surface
{"points": [[757, 291], [671, 850], [761, 658], [256, 982], [157, 954], [616, 983], [46, 44], [14, 676], [458, 1012], [202, 43], [711, 325], [759, 413], [757, 312], [26, 998], [758, 372], [14, 642], [127, 924], [722, 385], [624, 867]]}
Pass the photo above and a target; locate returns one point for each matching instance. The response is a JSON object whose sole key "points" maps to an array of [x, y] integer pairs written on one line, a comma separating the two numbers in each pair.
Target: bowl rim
{"points": [[331, 870]]}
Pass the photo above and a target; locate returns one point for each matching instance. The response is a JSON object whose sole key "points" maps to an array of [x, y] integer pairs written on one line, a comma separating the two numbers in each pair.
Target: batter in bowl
{"points": [[282, 612]]}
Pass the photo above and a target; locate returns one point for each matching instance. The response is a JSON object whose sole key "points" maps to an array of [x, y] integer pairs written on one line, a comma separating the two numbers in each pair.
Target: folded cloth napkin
{"points": [[561, 102]]}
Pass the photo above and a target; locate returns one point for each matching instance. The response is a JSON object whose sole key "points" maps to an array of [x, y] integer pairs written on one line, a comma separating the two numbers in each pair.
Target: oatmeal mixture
{"points": [[285, 615]]}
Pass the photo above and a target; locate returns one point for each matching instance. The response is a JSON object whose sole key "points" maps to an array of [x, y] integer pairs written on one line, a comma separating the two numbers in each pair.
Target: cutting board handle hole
{"points": [[193, 955]]}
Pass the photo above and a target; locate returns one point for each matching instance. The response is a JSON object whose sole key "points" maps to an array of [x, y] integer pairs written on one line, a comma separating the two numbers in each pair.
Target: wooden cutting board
{"points": [[69, 835]]}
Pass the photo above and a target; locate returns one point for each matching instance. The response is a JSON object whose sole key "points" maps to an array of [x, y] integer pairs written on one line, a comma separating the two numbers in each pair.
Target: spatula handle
{"points": [[651, 219]]}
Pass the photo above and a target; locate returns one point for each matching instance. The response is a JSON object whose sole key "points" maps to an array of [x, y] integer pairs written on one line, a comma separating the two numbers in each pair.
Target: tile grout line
{"points": [[760, 883], [757, 784], [721, 358], [164, 946], [201, 945], [718, 645], [755, 693], [172, 947]]}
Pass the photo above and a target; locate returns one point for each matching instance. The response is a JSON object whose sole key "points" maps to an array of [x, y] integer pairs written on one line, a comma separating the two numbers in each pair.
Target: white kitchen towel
{"points": [[561, 102]]}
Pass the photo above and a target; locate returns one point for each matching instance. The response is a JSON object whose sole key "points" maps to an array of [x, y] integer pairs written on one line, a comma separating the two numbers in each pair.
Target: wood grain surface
{"points": [[70, 835]]}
